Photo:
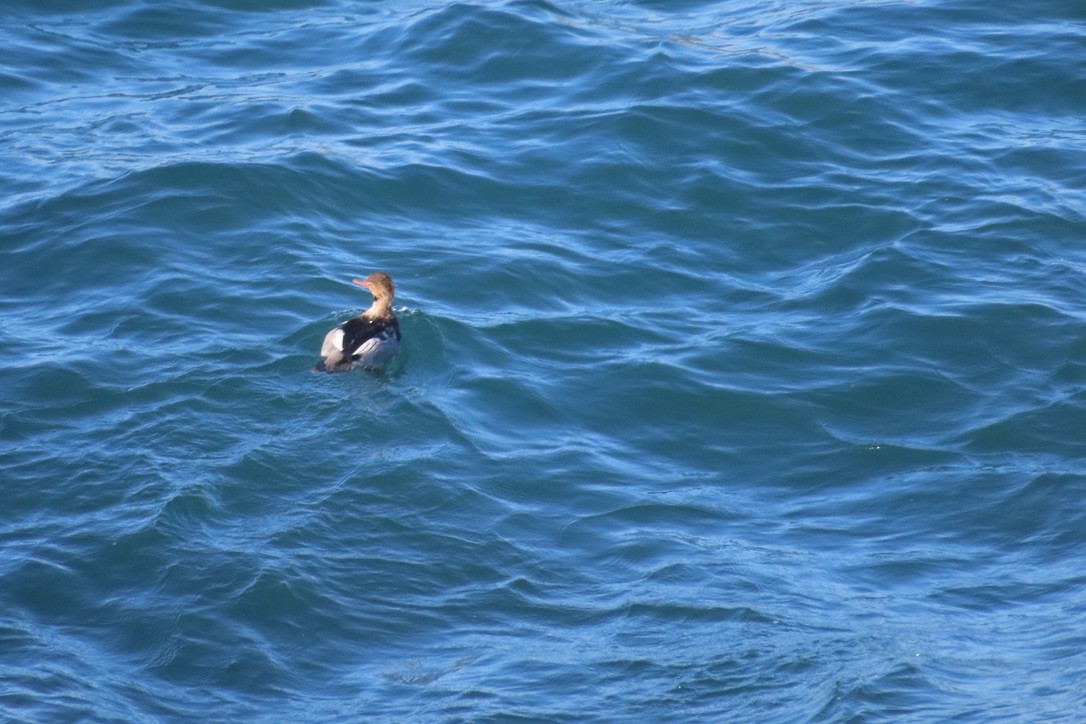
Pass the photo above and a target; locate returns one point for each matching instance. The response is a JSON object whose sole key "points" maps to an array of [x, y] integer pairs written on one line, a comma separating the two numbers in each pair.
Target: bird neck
{"points": [[379, 308]]}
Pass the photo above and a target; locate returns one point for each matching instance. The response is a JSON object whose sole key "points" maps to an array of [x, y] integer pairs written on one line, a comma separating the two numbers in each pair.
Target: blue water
{"points": [[744, 374]]}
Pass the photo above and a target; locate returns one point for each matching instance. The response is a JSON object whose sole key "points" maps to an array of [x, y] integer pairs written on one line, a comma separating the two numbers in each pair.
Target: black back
{"points": [[358, 330]]}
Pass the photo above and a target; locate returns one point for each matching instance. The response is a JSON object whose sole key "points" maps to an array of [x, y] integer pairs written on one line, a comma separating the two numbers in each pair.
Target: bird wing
{"points": [[333, 342], [361, 335]]}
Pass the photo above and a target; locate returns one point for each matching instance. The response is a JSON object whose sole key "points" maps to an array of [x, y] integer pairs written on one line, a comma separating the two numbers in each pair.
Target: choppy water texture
{"points": [[744, 372]]}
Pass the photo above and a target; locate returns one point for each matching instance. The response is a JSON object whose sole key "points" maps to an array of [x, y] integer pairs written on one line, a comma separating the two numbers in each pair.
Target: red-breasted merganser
{"points": [[370, 339]]}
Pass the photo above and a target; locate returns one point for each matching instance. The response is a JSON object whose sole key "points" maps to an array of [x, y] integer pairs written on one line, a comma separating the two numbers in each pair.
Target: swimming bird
{"points": [[370, 339]]}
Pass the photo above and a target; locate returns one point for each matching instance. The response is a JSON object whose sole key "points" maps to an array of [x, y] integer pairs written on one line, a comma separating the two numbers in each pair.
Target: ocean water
{"points": [[744, 374]]}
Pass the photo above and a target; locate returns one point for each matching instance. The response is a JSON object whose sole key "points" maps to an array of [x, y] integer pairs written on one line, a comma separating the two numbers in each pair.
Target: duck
{"points": [[369, 340]]}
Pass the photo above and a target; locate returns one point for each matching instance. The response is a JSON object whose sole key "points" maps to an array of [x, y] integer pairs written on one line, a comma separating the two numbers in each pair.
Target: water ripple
{"points": [[741, 365]]}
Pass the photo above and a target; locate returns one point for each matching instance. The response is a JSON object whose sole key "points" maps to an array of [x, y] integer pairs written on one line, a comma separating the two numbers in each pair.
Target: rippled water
{"points": [[744, 372]]}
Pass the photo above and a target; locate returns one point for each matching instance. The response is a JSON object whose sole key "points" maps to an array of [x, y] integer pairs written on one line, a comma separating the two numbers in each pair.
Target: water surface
{"points": [[744, 374]]}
